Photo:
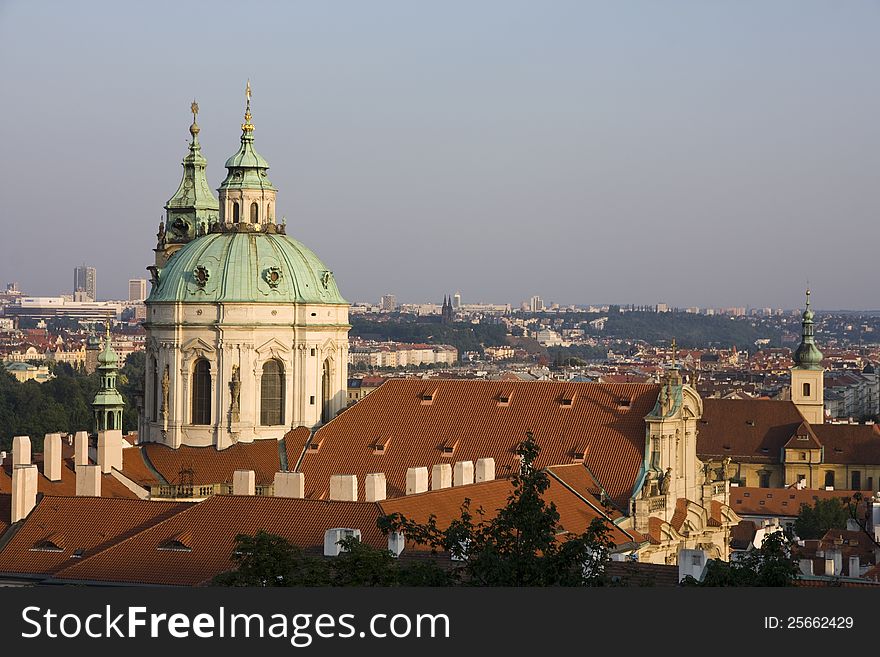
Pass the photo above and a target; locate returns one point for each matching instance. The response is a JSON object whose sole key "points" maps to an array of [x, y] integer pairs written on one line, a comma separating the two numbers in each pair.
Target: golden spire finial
{"points": [[247, 126], [194, 128]]}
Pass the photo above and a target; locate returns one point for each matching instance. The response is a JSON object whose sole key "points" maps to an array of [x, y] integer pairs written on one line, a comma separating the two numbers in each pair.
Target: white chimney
{"points": [[441, 476], [416, 480], [290, 484], [333, 536], [344, 488], [485, 469], [24, 490], [110, 450], [854, 567], [375, 487], [81, 448], [691, 562], [244, 482], [396, 543], [463, 473], [88, 481], [52, 456], [21, 450]]}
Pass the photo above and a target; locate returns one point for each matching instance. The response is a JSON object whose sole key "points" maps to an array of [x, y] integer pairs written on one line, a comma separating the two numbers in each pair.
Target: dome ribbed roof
{"points": [[246, 267]]}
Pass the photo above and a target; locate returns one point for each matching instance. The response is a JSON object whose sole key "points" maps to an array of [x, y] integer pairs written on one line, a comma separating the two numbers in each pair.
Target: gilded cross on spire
{"points": [[247, 126]]}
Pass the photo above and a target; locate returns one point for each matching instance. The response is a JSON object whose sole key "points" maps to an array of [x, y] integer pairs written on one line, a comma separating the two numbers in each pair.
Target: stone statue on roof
{"points": [[235, 390], [665, 481]]}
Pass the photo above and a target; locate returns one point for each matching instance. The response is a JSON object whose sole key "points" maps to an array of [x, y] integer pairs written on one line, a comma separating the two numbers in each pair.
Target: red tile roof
{"points": [[5, 512], [749, 501], [135, 468], [576, 477], [850, 444], [746, 430], [213, 466], [209, 529], [110, 486], [575, 515], [612, 437], [73, 524]]}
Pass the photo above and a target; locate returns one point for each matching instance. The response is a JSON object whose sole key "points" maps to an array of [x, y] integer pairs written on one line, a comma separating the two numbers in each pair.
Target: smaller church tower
{"points": [[807, 375], [193, 208], [108, 403]]}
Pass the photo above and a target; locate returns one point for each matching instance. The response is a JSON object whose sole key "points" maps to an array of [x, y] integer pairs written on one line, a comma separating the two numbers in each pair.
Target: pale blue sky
{"points": [[693, 152]]}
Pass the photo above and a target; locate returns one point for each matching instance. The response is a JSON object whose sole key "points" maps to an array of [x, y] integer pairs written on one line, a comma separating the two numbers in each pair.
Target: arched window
{"points": [[806, 390], [235, 212], [829, 478], [268, 212], [325, 393], [201, 392], [154, 415], [272, 394], [109, 424], [255, 212]]}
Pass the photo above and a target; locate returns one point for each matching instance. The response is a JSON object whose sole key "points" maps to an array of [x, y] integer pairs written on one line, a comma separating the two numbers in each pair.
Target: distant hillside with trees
{"points": [[62, 404], [463, 336]]}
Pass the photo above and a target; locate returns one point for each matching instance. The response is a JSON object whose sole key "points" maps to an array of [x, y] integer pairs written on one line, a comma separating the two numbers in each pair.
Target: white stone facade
{"points": [[306, 339]]}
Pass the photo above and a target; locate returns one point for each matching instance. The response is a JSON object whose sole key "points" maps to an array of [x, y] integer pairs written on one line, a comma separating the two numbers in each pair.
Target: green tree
{"points": [[814, 521], [265, 559], [773, 564], [518, 546]]}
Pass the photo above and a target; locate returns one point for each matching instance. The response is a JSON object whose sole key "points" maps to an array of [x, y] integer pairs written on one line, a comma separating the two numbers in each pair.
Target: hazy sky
{"points": [[696, 153]]}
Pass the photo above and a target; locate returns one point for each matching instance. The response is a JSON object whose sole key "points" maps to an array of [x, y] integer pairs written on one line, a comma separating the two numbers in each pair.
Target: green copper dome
{"points": [[245, 263], [107, 358], [808, 356]]}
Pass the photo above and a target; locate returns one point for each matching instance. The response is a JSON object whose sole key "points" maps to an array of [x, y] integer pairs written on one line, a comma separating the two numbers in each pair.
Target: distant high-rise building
{"points": [[85, 279], [137, 289], [456, 301], [536, 304], [388, 303]]}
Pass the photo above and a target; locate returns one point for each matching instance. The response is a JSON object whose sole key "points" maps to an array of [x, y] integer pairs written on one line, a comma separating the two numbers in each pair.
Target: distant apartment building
{"points": [[397, 354], [456, 301], [85, 280], [137, 289], [388, 303], [854, 395], [500, 353], [536, 304], [51, 307]]}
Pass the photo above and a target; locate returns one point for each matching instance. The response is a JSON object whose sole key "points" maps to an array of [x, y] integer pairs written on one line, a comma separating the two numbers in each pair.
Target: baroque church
{"points": [[247, 333]]}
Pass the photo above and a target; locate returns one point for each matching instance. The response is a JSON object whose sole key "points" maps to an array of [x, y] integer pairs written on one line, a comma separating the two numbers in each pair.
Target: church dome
{"points": [[245, 263]]}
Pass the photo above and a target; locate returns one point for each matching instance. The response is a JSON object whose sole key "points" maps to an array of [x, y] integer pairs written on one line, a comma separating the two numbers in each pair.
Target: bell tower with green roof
{"points": [[247, 195], [807, 374], [193, 208], [108, 403]]}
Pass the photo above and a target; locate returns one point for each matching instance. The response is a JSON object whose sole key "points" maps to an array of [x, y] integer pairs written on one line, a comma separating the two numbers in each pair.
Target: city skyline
{"points": [[584, 151]]}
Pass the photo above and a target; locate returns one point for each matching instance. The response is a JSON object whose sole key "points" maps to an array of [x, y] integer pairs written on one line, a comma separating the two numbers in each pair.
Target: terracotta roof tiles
{"points": [[575, 515], [191, 547], [779, 501], [749, 430], [213, 466], [612, 437], [849, 444], [78, 527], [110, 486]]}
